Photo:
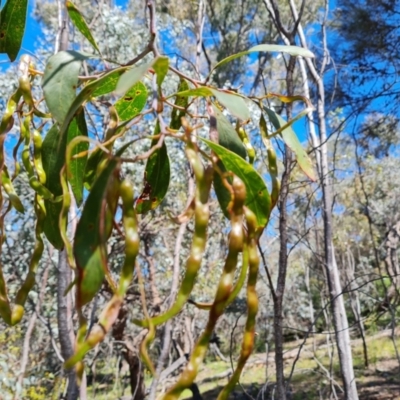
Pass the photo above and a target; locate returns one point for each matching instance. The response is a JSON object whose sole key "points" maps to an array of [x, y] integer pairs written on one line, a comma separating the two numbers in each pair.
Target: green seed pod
{"points": [[9, 189], [252, 305], [37, 156], [201, 217], [246, 142], [236, 241]]}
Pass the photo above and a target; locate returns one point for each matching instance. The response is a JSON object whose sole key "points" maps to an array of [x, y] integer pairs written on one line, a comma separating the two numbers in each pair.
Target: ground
{"points": [[311, 379]]}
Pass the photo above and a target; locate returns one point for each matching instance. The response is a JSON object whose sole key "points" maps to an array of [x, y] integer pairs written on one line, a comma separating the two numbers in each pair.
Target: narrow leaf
{"points": [[132, 103], [231, 100], [108, 82], [102, 83], [91, 235], [78, 20], [160, 66], [60, 82], [292, 50], [77, 165], [291, 140], [257, 196], [12, 27], [227, 135], [180, 101], [132, 76], [156, 178]]}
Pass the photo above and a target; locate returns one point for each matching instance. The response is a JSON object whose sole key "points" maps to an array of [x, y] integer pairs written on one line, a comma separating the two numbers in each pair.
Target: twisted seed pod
{"points": [[22, 294], [272, 164], [110, 313], [9, 189], [236, 239], [6, 124], [26, 154], [36, 184], [14, 315], [236, 289], [252, 305], [37, 156], [63, 218], [201, 217], [132, 239], [246, 143]]}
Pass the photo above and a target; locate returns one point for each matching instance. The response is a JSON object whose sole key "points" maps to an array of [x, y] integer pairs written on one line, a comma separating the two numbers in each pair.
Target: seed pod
{"points": [[201, 217], [236, 238], [252, 306], [23, 292]]}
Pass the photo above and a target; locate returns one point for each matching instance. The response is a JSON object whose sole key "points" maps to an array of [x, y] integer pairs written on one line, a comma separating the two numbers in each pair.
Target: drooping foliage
{"points": [[66, 164]]}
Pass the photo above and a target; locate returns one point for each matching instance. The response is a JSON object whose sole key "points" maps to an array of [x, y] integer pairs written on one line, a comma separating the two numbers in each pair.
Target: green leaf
{"points": [[161, 65], [134, 75], [91, 235], [231, 100], [291, 140], [53, 157], [180, 101], [157, 177], [80, 23], [101, 83], [257, 196], [227, 136], [77, 165], [132, 103], [60, 81], [108, 82], [12, 27], [292, 50]]}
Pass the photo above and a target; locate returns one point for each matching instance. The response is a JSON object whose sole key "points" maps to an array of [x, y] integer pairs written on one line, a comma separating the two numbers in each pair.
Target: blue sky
{"points": [[33, 32]]}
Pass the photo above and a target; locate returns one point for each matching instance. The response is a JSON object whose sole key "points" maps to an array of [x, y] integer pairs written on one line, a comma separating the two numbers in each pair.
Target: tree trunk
{"points": [[64, 317], [337, 302], [64, 302]]}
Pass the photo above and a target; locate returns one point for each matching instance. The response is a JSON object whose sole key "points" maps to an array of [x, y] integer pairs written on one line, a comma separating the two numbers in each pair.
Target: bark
{"points": [[278, 293], [335, 290], [136, 376], [64, 318], [280, 287], [64, 302]]}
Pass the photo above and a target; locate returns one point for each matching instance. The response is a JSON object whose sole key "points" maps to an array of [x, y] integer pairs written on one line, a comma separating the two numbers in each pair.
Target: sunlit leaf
{"points": [[257, 196], [160, 66], [131, 77], [292, 50], [231, 100], [77, 165], [78, 20], [292, 141], [180, 101], [60, 82], [108, 82], [102, 83], [132, 103], [12, 27], [157, 176]]}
